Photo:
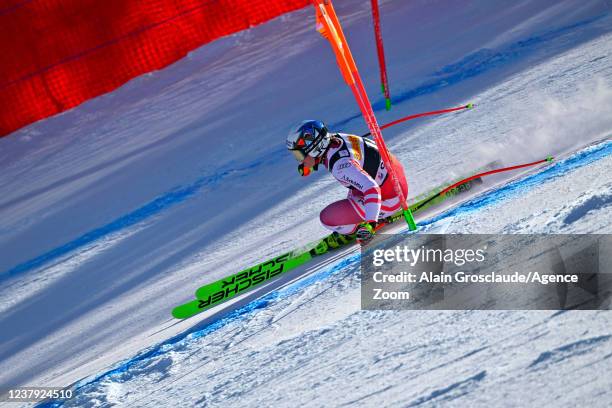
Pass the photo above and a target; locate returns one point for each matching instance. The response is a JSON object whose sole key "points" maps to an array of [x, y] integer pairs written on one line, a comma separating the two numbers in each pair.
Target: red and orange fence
{"points": [[56, 54]]}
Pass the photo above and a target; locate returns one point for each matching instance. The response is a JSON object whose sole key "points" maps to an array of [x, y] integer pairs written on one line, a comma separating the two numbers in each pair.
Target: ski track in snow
{"points": [[117, 206]]}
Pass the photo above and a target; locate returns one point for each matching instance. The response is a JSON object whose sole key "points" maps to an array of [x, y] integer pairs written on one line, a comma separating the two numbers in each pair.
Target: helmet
{"points": [[310, 138]]}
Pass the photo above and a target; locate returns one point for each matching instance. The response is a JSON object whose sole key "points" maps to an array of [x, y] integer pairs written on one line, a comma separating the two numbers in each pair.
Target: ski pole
{"points": [[420, 115], [548, 159], [487, 173]]}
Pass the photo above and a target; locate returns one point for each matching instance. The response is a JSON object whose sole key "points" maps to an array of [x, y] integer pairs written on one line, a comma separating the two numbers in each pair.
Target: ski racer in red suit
{"points": [[356, 163]]}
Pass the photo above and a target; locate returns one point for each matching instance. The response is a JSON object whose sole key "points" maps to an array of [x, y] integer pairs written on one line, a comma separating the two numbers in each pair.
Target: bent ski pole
{"points": [[423, 114]]}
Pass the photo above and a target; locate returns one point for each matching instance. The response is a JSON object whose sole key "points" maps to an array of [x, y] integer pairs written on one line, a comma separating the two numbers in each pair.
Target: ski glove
{"points": [[303, 170], [365, 232]]}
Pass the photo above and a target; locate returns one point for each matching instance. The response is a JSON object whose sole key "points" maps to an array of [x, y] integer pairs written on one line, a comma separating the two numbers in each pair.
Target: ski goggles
{"points": [[314, 151]]}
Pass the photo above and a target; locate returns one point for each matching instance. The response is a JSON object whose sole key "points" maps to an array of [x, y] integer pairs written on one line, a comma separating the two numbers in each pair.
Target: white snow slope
{"points": [[116, 211]]}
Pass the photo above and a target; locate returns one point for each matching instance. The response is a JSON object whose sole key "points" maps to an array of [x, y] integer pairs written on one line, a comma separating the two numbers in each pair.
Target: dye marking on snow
{"points": [[155, 207], [183, 339], [559, 169], [487, 59], [324, 274], [480, 62]]}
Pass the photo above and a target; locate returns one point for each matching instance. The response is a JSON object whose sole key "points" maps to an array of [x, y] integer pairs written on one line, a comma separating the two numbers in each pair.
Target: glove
{"points": [[365, 232], [304, 171]]}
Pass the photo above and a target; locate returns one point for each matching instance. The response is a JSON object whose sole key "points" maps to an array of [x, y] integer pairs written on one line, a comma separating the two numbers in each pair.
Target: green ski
{"points": [[226, 288]]}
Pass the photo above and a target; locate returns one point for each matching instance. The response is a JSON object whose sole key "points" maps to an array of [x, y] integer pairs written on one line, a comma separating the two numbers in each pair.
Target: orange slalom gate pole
{"points": [[329, 27]]}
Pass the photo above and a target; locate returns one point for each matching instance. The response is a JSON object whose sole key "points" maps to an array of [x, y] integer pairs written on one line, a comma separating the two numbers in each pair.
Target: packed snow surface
{"points": [[116, 211]]}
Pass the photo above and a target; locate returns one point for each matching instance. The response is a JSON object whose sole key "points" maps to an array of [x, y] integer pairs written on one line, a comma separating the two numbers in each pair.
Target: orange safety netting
{"points": [[55, 54]]}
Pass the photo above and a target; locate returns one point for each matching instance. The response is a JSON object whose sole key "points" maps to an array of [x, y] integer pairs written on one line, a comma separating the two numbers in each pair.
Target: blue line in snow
{"points": [[478, 63], [580, 159], [156, 206], [558, 169], [196, 332]]}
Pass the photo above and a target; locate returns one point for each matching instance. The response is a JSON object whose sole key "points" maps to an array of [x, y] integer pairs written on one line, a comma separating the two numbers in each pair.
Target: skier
{"points": [[356, 163]]}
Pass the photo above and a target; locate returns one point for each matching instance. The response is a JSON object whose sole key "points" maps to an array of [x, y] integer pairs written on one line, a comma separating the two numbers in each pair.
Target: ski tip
{"points": [[177, 314], [388, 104], [470, 106], [549, 159], [186, 310]]}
